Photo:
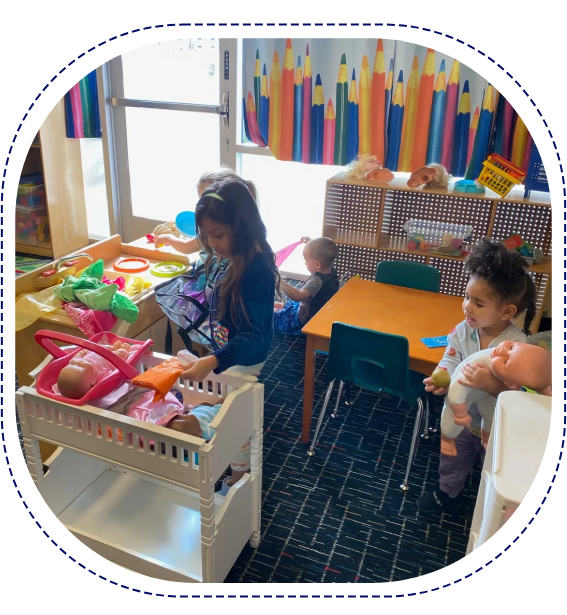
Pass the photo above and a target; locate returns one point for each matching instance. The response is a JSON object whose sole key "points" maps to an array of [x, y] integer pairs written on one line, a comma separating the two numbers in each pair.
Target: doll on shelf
{"points": [[86, 368], [430, 176], [369, 168], [518, 365]]}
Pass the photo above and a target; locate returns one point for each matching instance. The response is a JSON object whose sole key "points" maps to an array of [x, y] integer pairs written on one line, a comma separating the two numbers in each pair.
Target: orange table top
{"points": [[414, 314]]}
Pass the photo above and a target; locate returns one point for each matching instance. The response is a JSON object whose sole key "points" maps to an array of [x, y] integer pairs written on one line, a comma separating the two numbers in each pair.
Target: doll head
{"points": [[75, 380], [441, 178], [518, 364], [358, 168]]}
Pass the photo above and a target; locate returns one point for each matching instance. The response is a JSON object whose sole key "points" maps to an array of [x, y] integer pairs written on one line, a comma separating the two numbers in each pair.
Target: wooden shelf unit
{"points": [[366, 222], [59, 160]]}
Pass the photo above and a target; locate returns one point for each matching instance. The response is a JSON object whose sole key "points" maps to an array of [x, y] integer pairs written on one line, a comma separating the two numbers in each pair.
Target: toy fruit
{"points": [[441, 378], [424, 246], [412, 245]]}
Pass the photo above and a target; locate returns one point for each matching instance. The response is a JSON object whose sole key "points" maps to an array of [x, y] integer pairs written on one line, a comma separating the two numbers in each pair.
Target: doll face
{"points": [[518, 364], [508, 361], [372, 164]]}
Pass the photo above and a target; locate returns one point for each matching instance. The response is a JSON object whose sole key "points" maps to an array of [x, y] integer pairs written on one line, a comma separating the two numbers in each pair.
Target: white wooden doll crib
{"points": [[151, 508]]}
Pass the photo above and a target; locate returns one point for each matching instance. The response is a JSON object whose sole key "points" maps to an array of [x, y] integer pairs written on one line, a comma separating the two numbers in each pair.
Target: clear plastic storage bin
{"points": [[440, 237], [31, 196], [32, 225]]}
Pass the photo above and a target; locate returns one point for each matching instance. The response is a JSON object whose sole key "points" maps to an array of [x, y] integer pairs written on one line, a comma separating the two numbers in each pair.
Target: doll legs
{"points": [[449, 431]]}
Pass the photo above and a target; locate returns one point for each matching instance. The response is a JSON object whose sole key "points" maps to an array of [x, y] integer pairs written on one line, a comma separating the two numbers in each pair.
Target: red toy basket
{"points": [[124, 369]]}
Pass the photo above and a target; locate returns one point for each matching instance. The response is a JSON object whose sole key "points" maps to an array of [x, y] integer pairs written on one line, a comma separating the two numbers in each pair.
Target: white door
{"points": [[171, 117]]}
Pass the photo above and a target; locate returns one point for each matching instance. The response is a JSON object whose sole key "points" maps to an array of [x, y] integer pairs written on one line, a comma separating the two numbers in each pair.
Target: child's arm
{"points": [[185, 246], [451, 359], [294, 294]]}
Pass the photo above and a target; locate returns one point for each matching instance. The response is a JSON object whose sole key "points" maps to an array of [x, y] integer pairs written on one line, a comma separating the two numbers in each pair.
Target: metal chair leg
{"points": [[434, 428], [426, 430], [311, 451], [404, 486], [348, 400], [335, 414]]}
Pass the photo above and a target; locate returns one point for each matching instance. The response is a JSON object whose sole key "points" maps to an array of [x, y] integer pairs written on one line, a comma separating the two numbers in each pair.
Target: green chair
{"points": [[408, 274], [375, 361]]}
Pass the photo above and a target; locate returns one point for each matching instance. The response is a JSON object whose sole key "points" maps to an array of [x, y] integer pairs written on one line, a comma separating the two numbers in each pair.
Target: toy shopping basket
{"points": [[500, 175]]}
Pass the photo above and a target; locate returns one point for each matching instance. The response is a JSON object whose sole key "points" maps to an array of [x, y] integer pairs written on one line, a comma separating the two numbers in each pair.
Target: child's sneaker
{"points": [[438, 501]]}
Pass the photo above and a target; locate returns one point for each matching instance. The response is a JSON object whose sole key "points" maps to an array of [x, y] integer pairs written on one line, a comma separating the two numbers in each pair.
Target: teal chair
{"points": [[411, 275], [375, 361], [408, 274]]}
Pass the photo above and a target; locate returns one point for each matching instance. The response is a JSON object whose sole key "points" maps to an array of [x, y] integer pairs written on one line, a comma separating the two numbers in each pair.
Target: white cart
{"points": [[514, 453], [149, 507]]}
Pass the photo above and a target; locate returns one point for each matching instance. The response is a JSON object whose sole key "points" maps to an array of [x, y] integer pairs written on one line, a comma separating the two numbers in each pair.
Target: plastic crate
{"points": [[500, 175], [536, 179]]}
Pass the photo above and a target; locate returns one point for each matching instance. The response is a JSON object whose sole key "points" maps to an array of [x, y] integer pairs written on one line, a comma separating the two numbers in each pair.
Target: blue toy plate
{"points": [[185, 222]]}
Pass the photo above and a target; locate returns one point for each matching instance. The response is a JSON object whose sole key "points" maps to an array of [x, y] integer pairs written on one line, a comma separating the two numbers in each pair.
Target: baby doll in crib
{"points": [[518, 365], [86, 368], [369, 168]]}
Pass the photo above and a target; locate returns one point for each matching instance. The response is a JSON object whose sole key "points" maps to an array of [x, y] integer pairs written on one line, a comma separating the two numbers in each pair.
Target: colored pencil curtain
{"points": [[327, 101], [81, 109]]}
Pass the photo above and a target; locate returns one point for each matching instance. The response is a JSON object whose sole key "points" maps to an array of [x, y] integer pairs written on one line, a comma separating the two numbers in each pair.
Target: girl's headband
{"points": [[215, 196]]}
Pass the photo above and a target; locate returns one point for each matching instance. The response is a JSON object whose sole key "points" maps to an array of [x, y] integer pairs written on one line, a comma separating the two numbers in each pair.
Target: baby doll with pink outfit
{"points": [[86, 368]]}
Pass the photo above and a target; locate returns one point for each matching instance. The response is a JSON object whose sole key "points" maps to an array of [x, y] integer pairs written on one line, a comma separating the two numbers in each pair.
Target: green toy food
{"points": [[441, 378]]}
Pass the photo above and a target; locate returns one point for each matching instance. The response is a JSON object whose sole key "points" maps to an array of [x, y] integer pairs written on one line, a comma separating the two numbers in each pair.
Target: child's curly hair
{"points": [[505, 273]]}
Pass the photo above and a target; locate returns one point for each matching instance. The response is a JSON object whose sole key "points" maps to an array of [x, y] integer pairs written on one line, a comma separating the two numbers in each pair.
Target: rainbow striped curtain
{"points": [[81, 109], [329, 101]]}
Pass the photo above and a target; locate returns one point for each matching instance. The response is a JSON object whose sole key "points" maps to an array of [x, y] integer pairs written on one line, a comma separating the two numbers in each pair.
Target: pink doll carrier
{"points": [[123, 372]]}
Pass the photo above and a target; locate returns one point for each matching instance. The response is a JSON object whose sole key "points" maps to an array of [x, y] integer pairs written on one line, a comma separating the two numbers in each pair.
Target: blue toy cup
{"points": [[185, 222]]}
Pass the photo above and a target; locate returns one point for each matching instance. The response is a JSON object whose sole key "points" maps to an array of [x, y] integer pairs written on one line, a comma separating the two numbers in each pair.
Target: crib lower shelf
{"points": [[140, 525]]}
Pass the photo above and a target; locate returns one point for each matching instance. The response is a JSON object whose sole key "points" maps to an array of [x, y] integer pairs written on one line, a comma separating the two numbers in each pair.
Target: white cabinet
{"points": [[515, 450]]}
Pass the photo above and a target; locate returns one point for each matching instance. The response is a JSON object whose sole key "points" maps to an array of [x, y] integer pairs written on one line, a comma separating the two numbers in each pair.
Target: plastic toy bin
{"points": [[32, 225], [430, 236], [31, 192]]}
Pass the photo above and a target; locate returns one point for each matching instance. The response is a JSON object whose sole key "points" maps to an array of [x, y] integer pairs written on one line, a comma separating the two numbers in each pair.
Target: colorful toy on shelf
{"points": [[31, 191], [470, 186], [62, 268], [500, 175], [531, 255], [370, 169]]}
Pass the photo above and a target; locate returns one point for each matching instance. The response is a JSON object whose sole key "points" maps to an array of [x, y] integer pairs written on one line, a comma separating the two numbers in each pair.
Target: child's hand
{"points": [[278, 305], [477, 376], [305, 239], [430, 387], [199, 369], [165, 240]]}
